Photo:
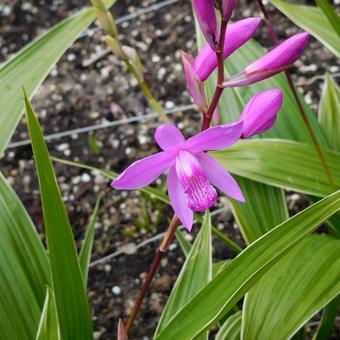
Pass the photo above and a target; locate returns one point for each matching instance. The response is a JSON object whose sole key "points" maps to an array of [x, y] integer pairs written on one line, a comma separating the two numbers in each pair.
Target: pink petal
{"points": [[179, 200], [237, 34], [194, 83], [219, 177], [260, 113], [168, 137], [214, 138], [144, 171], [228, 8], [206, 17]]}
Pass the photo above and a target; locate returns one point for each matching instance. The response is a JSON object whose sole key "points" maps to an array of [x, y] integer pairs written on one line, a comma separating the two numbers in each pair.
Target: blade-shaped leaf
{"points": [[313, 20], [255, 217], [331, 15], [329, 112], [195, 274], [68, 285], [86, 249], [293, 290], [30, 66], [245, 270], [281, 163], [24, 269], [231, 328], [49, 326]]}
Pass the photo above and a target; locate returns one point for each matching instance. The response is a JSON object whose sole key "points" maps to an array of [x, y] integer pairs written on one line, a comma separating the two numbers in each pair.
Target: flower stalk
{"points": [[302, 111], [168, 237], [127, 54]]}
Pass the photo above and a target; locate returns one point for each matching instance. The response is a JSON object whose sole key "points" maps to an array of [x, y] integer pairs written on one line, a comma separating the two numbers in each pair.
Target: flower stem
{"points": [[168, 237], [302, 111], [153, 269]]}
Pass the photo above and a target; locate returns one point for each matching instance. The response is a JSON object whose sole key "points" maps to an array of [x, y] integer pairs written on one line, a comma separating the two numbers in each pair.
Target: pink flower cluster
{"points": [[193, 175]]}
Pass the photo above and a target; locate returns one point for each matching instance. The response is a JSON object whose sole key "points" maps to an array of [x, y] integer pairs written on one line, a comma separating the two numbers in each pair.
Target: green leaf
{"points": [[285, 164], [329, 112], [327, 320], [49, 326], [30, 66], [231, 328], [68, 285], [331, 15], [255, 217], [229, 286], [85, 252], [24, 269], [293, 290], [195, 274], [313, 20]]}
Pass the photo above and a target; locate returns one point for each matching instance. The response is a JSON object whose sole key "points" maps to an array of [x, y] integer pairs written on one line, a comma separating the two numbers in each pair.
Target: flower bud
{"points": [[228, 8], [194, 84], [237, 34], [206, 17], [260, 113], [273, 62]]}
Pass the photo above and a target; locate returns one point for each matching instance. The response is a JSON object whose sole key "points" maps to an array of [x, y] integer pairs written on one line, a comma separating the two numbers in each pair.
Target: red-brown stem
{"points": [[302, 111], [175, 221], [153, 269]]}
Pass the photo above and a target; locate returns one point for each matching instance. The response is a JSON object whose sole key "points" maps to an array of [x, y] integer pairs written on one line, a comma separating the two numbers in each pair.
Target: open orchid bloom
{"points": [[272, 63], [194, 83], [192, 173], [237, 34], [206, 17]]}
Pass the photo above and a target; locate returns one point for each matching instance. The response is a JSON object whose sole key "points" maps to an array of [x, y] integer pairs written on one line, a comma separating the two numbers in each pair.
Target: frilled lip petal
{"points": [[144, 171], [219, 177], [260, 113], [237, 34], [179, 200], [214, 138], [168, 137]]}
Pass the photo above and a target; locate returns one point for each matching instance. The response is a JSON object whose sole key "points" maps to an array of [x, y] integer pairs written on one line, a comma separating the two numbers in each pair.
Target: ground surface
{"points": [[90, 87]]}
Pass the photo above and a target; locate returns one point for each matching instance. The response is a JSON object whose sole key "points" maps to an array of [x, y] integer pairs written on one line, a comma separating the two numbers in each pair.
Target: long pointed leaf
{"points": [[68, 285], [245, 270], [293, 290], [24, 269], [195, 274], [281, 163]]}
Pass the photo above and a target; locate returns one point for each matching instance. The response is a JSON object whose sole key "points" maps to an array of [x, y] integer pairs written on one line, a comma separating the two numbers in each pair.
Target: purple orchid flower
{"points": [[228, 8], [206, 17], [273, 62], [192, 173], [237, 34]]}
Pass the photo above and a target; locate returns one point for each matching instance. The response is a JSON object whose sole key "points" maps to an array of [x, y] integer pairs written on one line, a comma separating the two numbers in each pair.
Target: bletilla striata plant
{"points": [[193, 174]]}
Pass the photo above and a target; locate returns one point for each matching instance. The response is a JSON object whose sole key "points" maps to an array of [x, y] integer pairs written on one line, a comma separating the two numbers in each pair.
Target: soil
{"points": [[88, 87]]}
